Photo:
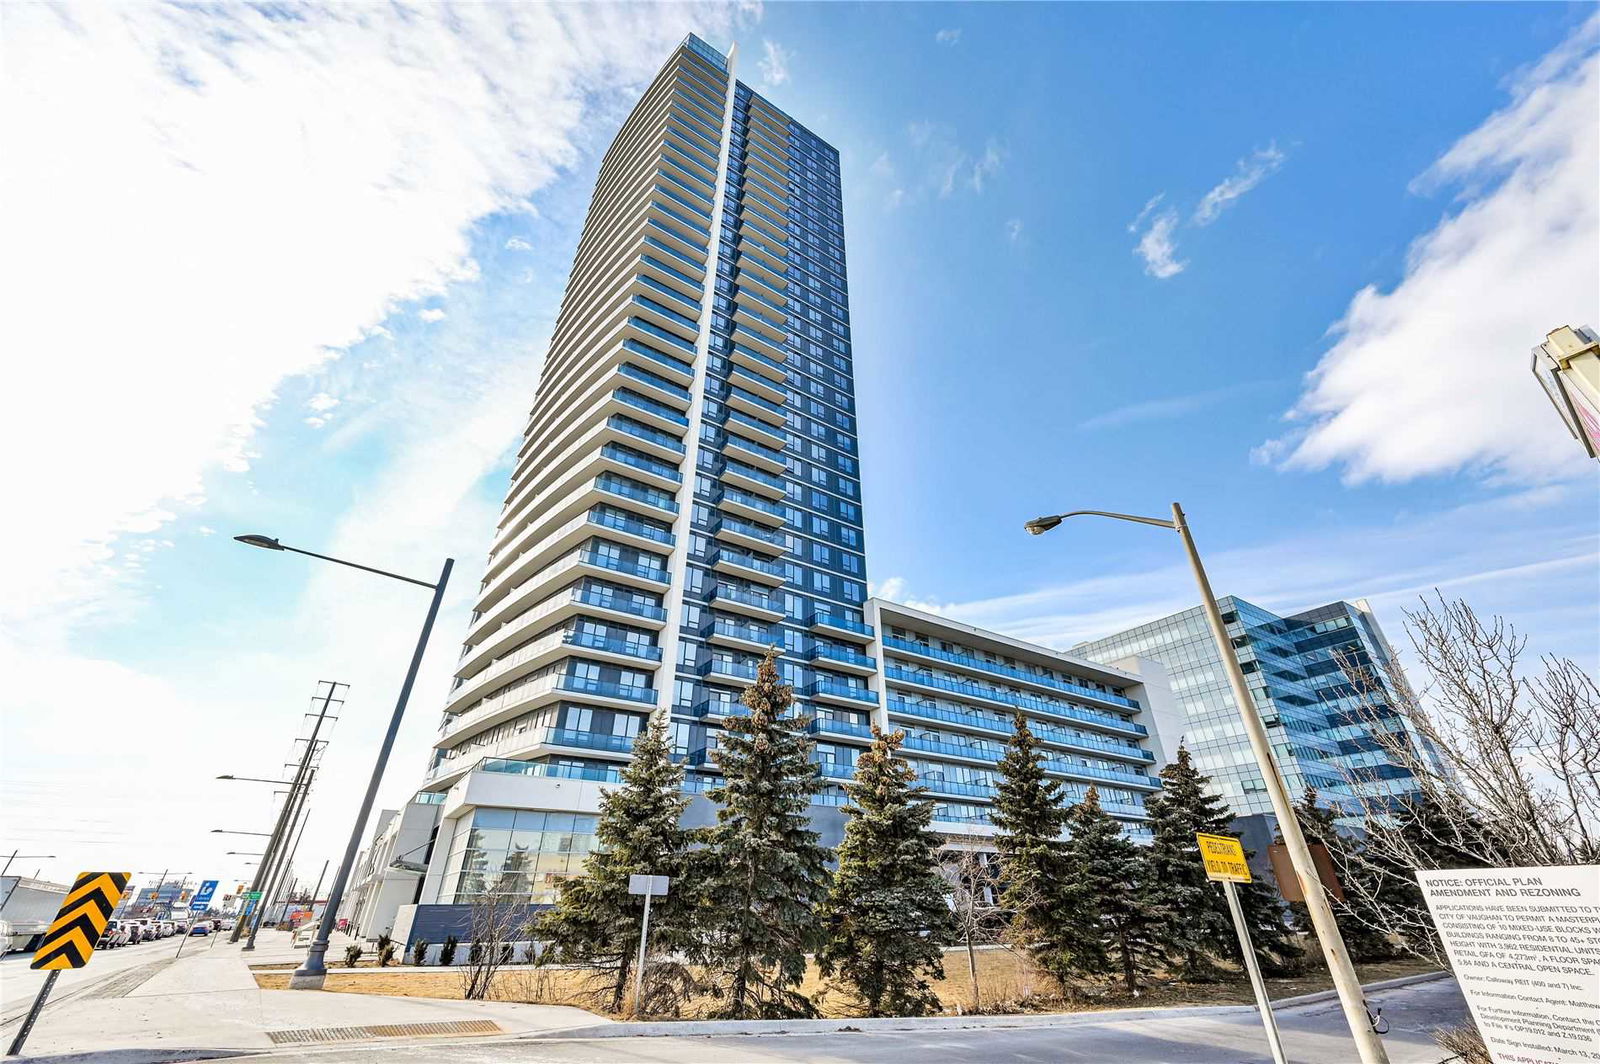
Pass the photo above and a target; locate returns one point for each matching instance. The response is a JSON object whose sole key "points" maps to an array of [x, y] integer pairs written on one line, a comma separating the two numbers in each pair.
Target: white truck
{"points": [[27, 906]]}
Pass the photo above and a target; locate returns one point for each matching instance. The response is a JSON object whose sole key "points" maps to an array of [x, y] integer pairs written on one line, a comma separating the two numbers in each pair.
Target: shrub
{"points": [[352, 954], [419, 952], [447, 952], [386, 954]]}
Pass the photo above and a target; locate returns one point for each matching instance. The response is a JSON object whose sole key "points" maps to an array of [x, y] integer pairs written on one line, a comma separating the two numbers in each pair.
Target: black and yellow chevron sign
{"points": [[82, 919]]}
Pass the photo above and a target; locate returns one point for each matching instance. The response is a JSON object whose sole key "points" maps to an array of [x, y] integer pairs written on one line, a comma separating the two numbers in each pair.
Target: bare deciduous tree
{"points": [[499, 919], [1507, 766], [970, 866]]}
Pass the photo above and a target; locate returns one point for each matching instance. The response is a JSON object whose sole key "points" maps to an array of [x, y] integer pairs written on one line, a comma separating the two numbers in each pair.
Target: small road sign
{"points": [[81, 921], [71, 939], [655, 886], [202, 897], [1224, 858], [253, 895]]}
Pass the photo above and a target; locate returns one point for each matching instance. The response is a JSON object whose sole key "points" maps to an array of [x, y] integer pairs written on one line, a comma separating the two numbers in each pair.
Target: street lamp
{"points": [[1322, 921], [254, 779], [225, 831], [312, 974]]}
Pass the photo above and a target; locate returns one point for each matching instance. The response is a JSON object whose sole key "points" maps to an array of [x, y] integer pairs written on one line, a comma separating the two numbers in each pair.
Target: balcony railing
{"points": [[825, 652], [969, 661], [831, 687], [1125, 779], [755, 502], [590, 556], [639, 461], [950, 716], [760, 476], [631, 525], [825, 726], [964, 790], [835, 770], [836, 620], [737, 670], [663, 335], [648, 405], [595, 773], [1021, 701], [933, 746], [645, 432], [1045, 733], [600, 598], [741, 418], [592, 641], [749, 632], [771, 454], [653, 380], [749, 598], [754, 531], [586, 740], [637, 492], [749, 561]]}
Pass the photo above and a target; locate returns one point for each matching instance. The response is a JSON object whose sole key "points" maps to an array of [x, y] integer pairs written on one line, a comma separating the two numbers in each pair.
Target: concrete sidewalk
{"points": [[207, 1004]]}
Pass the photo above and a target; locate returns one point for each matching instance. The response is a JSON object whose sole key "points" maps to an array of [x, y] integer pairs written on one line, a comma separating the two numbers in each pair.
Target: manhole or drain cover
{"points": [[382, 1030]]}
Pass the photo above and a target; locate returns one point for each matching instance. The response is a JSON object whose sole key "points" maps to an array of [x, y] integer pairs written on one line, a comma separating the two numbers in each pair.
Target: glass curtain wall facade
{"points": [[687, 493], [1293, 667]]}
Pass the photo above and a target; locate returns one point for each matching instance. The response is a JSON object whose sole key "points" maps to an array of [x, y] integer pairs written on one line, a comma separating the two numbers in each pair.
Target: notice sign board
{"points": [[1525, 947], [1224, 858]]}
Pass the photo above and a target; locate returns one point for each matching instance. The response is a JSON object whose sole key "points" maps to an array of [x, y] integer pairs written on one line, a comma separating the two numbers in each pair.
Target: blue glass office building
{"points": [[1295, 666]]}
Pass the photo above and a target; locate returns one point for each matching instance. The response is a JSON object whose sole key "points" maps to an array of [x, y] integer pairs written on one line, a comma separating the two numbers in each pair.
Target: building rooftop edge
{"points": [[1022, 645]]}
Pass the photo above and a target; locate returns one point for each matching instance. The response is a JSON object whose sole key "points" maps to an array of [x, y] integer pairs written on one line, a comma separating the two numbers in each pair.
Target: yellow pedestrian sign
{"points": [[81, 921], [1224, 858]]}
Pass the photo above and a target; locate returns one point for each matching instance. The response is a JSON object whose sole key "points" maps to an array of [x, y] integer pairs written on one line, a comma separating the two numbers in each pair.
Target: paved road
{"points": [[19, 983], [1313, 1034]]}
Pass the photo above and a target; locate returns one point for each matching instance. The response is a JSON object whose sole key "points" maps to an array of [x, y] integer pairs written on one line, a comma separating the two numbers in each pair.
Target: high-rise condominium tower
{"points": [[687, 496], [687, 493]]}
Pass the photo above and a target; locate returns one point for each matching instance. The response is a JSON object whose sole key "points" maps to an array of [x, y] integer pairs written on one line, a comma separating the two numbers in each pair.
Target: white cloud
{"points": [[1014, 230], [329, 163], [946, 166], [1432, 377], [1156, 246], [322, 402], [1250, 172], [987, 165], [431, 314], [882, 166], [516, 243], [774, 63], [895, 198], [951, 37]]}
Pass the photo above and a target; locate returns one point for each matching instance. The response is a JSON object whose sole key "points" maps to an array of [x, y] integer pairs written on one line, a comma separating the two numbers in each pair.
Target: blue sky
{"points": [[315, 302]]}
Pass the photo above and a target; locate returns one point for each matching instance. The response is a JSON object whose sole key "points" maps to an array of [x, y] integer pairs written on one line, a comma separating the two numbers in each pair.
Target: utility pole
{"points": [[297, 829], [275, 842]]}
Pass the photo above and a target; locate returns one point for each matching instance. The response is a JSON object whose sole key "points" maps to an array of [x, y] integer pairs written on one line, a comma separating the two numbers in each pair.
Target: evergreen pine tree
{"points": [[1030, 818], [1110, 874], [886, 915], [764, 870], [1194, 923], [595, 920]]}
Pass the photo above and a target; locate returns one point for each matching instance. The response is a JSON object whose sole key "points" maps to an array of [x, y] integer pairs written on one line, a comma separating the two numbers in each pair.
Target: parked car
{"points": [[225, 924], [115, 934], [168, 928], [201, 927]]}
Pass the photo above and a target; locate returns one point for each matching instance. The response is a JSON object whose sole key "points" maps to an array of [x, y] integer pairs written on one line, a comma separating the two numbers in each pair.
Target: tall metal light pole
{"points": [[301, 781], [1345, 982], [312, 974], [274, 877]]}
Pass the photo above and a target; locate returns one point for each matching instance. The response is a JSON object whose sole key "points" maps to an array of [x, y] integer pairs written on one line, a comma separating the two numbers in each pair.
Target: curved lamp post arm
{"points": [[1040, 525]]}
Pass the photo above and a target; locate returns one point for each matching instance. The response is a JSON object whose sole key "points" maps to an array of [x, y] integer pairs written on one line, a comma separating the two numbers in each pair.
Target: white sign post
{"points": [[1223, 856], [1525, 947], [650, 887]]}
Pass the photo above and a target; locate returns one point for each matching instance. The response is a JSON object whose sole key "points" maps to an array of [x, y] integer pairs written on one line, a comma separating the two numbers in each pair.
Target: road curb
{"points": [[709, 1028], [1368, 988]]}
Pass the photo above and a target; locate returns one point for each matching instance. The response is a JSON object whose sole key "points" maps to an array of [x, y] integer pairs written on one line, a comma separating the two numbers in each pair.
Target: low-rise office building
{"points": [[1320, 726]]}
